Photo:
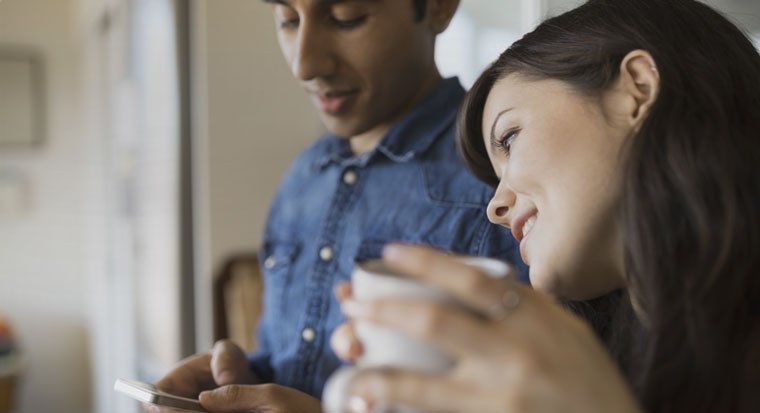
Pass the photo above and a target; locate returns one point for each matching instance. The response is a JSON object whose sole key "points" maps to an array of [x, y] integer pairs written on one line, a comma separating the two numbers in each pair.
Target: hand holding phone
{"points": [[148, 393]]}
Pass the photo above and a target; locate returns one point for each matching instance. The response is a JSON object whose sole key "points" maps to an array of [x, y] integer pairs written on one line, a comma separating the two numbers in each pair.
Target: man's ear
{"points": [[439, 14], [640, 80]]}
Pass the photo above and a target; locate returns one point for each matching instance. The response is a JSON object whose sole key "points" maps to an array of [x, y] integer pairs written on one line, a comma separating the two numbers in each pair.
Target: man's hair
{"points": [[420, 7]]}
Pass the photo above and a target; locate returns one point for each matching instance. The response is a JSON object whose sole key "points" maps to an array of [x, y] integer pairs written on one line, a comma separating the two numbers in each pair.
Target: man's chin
{"points": [[343, 128]]}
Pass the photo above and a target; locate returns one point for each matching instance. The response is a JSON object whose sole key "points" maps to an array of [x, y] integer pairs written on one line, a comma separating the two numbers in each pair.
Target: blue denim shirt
{"points": [[334, 208]]}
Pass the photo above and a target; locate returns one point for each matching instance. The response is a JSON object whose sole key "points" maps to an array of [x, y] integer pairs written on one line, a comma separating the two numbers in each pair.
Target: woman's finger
{"points": [[451, 329], [345, 344], [493, 297], [343, 291], [393, 388]]}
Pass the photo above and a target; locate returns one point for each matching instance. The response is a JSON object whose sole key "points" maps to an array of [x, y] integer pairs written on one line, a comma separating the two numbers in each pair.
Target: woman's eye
{"points": [[348, 24], [505, 143]]}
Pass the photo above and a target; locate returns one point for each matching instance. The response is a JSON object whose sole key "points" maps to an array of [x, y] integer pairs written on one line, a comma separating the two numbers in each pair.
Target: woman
{"points": [[622, 140]]}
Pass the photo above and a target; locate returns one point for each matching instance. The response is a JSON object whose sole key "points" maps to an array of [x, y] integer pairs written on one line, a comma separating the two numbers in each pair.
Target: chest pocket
{"points": [[279, 258]]}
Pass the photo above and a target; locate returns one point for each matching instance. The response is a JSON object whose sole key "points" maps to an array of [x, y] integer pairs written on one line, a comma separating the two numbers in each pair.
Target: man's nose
{"points": [[501, 204], [313, 56]]}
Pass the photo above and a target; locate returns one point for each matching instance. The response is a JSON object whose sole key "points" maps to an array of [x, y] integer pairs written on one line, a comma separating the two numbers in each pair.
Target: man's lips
{"points": [[333, 102]]}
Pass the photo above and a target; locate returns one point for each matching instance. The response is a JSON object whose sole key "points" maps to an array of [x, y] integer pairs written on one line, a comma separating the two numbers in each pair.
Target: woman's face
{"points": [[558, 157]]}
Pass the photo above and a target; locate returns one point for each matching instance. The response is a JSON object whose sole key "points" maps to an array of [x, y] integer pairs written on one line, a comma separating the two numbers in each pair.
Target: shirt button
{"points": [[349, 177], [270, 262], [326, 253], [308, 334]]}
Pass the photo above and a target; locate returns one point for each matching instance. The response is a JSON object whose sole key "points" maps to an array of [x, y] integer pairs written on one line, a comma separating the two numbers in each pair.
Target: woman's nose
{"points": [[498, 209]]}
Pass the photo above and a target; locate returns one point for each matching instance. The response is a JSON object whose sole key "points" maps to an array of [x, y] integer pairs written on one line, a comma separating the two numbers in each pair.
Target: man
{"points": [[387, 171]]}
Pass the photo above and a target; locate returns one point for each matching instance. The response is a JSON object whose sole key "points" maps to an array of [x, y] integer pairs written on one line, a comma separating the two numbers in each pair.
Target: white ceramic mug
{"points": [[385, 347]]}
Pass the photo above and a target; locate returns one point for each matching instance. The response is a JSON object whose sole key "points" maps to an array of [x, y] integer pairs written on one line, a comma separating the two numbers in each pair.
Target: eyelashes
{"points": [[348, 24], [340, 24], [504, 143], [289, 24]]}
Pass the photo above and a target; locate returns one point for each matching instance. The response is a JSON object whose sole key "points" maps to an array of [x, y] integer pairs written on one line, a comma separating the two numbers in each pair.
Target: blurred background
{"points": [[140, 144]]}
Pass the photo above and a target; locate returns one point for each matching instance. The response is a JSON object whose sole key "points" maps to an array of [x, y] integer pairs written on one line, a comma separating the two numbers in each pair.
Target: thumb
{"points": [[229, 364], [238, 398]]}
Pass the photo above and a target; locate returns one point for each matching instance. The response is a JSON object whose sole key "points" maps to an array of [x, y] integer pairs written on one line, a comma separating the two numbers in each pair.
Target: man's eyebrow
{"points": [[329, 2], [493, 127]]}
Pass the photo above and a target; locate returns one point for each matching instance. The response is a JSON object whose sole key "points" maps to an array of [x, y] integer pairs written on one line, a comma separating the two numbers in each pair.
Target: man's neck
{"points": [[368, 140]]}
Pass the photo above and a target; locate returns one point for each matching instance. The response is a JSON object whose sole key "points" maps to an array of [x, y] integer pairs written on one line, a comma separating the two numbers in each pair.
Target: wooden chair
{"points": [[237, 300]]}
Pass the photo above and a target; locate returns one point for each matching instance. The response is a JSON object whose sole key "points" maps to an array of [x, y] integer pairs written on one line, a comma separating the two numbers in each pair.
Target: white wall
{"points": [[42, 253], [258, 116], [257, 119]]}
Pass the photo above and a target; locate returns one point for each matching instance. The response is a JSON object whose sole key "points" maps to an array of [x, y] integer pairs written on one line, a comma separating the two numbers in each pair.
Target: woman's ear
{"points": [[439, 14], [640, 80]]}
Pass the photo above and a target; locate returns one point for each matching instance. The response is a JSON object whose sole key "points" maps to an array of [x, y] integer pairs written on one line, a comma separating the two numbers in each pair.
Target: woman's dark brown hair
{"points": [[691, 197]]}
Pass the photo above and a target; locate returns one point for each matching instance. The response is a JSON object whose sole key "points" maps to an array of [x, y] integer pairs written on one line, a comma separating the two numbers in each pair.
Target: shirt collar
{"points": [[408, 138]]}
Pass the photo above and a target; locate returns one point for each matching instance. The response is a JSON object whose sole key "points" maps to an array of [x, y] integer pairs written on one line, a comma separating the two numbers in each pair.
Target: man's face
{"points": [[362, 61]]}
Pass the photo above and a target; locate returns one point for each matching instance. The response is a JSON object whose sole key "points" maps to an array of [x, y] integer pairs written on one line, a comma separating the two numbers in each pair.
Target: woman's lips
{"points": [[333, 103], [521, 228], [518, 224], [527, 228]]}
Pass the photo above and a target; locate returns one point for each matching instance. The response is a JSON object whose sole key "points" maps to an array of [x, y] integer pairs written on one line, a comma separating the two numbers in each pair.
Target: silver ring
{"points": [[510, 299]]}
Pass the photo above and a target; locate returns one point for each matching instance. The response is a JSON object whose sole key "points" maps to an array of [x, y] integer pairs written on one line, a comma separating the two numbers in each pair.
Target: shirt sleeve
{"points": [[258, 362]]}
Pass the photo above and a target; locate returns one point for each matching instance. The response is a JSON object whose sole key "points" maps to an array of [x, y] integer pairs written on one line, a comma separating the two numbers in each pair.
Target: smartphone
{"points": [[149, 393]]}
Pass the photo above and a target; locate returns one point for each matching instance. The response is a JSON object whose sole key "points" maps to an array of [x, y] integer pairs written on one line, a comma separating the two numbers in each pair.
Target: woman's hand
{"points": [[343, 341], [531, 356]]}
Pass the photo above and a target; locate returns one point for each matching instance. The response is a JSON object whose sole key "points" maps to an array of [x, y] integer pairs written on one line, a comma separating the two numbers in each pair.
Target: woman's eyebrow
{"points": [[318, 2], [493, 127]]}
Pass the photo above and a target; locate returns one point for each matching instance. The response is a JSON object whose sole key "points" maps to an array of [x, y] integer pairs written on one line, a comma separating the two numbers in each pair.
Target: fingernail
{"points": [[354, 309], [357, 404], [154, 409], [341, 344], [355, 350]]}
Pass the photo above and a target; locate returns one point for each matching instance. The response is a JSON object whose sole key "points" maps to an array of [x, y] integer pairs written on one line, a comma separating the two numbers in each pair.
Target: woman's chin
{"points": [[546, 282], [572, 285], [559, 285]]}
